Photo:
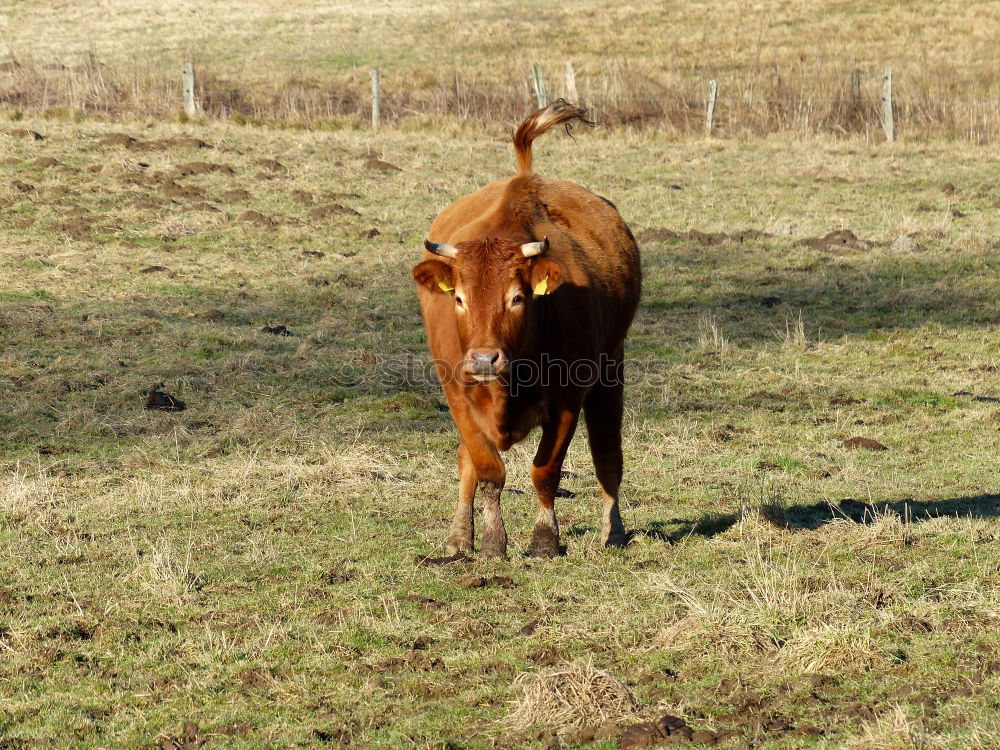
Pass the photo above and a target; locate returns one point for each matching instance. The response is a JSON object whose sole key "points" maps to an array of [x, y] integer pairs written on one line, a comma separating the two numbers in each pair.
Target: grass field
{"points": [[244, 572], [812, 421], [781, 66]]}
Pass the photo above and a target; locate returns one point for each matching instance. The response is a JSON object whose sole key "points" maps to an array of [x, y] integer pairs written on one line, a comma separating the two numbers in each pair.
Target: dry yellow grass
{"points": [[781, 66], [570, 696]]}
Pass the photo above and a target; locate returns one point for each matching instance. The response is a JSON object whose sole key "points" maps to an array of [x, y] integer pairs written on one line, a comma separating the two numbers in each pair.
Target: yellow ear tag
{"points": [[445, 287], [542, 287]]}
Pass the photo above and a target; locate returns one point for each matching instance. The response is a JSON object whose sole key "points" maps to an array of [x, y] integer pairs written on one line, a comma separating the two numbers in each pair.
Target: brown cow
{"points": [[528, 287]]}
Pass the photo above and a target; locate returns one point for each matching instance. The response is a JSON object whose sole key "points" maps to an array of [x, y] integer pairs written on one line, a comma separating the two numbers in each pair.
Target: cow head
{"points": [[495, 285]]}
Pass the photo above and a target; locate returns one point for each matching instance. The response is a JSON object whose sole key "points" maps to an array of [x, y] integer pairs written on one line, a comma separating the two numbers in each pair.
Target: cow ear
{"points": [[434, 275], [546, 276]]}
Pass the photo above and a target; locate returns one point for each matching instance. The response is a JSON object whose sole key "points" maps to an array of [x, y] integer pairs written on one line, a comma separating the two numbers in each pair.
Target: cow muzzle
{"points": [[485, 363]]}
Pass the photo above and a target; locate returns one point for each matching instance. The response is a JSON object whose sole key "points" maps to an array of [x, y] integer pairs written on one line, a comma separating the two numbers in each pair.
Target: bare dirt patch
{"points": [[202, 167], [256, 218], [76, 229], [118, 139], [864, 443], [190, 738], [161, 401], [472, 581], [839, 243], [331, 209], [175, 190], [277, 330], [374, 164], [204, 206], [272, 165]]}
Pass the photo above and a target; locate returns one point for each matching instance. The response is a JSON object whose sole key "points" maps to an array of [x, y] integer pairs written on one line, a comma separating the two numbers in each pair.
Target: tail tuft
{"points": [[558, 113]]}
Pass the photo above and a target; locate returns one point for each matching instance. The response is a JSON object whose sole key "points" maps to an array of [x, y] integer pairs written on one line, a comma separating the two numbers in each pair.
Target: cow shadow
{"points": [[816, 515]]}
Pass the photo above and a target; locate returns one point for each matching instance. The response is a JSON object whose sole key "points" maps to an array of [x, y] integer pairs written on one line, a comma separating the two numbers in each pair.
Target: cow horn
{"points": [[531, 249], [441, 248]]}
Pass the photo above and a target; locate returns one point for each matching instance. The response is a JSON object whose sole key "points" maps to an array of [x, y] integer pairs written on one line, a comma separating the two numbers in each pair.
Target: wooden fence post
{"points": [[376, 98], [571, 93], [187, 86], [713, 93], [539, 77], [887, 120]]}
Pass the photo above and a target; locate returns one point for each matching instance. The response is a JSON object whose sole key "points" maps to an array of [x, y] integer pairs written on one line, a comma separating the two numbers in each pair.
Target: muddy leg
{"points": [[461, 534], [545, 474], [494, 533], [479, 464]]}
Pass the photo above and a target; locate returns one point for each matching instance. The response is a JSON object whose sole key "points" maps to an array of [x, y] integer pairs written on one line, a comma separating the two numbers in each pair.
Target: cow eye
{"points": [[517, 299], [458, 300]]}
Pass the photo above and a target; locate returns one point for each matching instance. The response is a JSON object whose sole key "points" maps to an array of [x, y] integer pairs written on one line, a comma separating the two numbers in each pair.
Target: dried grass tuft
{"points": [[570, 696], [895, 729]]}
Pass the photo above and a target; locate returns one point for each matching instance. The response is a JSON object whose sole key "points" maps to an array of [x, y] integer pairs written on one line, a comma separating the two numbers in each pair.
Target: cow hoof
{"points": [[495, 551], [456, 546], [544, 543], [617, 539]]}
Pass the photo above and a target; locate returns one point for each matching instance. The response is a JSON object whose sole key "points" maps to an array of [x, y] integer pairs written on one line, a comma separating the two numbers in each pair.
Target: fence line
{"points": [[836, 99]]}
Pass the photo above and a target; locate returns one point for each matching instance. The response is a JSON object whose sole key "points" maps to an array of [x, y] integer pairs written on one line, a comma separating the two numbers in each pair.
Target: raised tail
{"points": [[557, 113]]}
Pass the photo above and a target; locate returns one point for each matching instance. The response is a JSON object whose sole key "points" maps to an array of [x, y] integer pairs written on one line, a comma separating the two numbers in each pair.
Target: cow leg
{"points": [[545, 473], [602, 412], [461, 534], [494, 533], [480, 465]]}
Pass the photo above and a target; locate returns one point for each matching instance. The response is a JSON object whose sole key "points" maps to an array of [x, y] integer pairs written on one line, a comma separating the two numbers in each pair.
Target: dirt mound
{"points": [[236, 196], [423, 601], [45, 162], [202, 167], [302, 196], [183, 142], [135, 144], [256, 217], [76, 229], [149, 202], [375, 164], [840, 242], [118, 139], [160, 401], [472, 581], [331, 209], [272, 165], [863, 443], [174, 190], [190, 738], [204, 206]]}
